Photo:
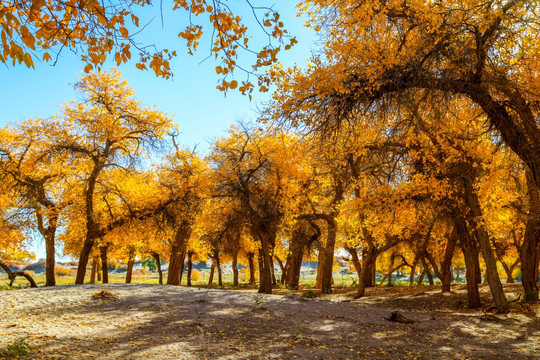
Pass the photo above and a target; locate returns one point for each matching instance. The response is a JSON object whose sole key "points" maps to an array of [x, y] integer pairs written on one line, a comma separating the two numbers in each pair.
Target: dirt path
{"points": [[165, 322]]}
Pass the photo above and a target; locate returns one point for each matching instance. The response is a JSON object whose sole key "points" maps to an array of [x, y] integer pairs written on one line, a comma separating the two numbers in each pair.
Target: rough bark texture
{"points": [[94, 270], [131, 261], [470, 253], [355, 260], [104, 264], [251, 265], [482, 237], [531, 242], [235, 269], [446, 271], [189, 267], [178, 253], [158, 265]]}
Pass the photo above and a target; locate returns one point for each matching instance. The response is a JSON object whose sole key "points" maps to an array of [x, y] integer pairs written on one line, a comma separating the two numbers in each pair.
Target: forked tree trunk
{"points": [[131, 261], [422, 275], [367, 260], [251, 265], [283, 268], [470, 254], [413, 270], [178, 254], [427, 271], [158, 265], [482, 237], [104, 264]]}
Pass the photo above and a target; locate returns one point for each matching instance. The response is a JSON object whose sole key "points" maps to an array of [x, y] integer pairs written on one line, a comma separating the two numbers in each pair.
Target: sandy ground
{"points": [[166, 322]]}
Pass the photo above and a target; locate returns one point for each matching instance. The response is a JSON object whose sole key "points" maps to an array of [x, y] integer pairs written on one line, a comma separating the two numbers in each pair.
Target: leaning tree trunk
{"points": [[260, 265], [413, 270], [84, 256], [425, 265], [158, 265], [178, 253], [355, 260], [531, 242], [13, 274], [390, 270], [131, 262], [251, 265], [482, 237], [104, 264]]}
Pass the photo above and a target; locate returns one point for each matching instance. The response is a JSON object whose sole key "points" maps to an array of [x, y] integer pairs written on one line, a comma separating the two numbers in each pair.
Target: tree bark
{"points": [[328, 255], [369, 256], [178, 254], [50, 258], [531, 242], [218, 265], [189, 267], [93, 273], [131, 261], [251, 265], [13, 274], [470, 253], [212, 270], [156, 257], [427, 271], [235, 269], [355, 260], [104, 265], [446, 271], [482, 237]]}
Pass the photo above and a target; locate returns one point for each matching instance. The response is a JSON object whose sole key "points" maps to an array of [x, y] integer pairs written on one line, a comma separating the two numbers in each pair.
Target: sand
{"points": [[168, 322]]}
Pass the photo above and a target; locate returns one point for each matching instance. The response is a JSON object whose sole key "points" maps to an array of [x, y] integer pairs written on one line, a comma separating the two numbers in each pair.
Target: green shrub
{"points": [[20, 347]]}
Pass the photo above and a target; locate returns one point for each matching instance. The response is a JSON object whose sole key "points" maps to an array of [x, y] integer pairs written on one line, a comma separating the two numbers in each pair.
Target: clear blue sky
{"points": [[201, 111]]}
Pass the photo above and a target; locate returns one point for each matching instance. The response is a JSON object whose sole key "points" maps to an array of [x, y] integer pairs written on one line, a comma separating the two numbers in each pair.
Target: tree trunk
{"points": [[483, 238], [422, 275], [274, 280], [355, 261], [251, 265], [98, 270], [366, 271], [390, 270], [427, 271], [283, 268], [13, 274], [50, 259], [446, 264], [189, 267], [104, 265], [178, 254], [218, 265], [83, 258], [265, 232], [413, 270], [212, 270], [470, 253], [261, 265], [235, 269], [93, 273], [531, 242], [328, 256], [158, 265], [131, 261]]}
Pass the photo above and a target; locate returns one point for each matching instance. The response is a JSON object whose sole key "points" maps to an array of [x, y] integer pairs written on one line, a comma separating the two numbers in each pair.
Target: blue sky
{"points": [[201, 111]]}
